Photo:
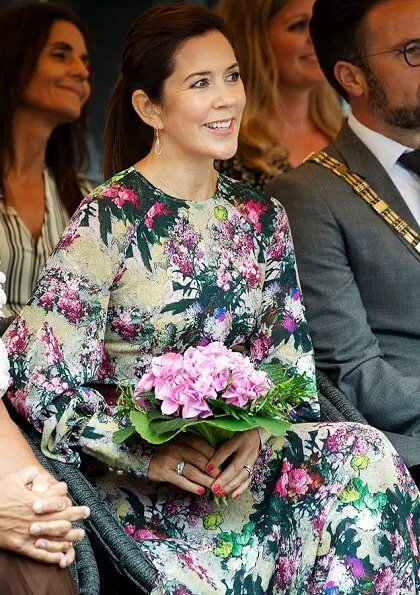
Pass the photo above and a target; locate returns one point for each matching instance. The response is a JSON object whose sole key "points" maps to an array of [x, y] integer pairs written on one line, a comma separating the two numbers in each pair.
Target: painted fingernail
{"points": [[218, 473], [235, 496], [41, 543], [35, 530], [220, 493], [210, 468], [200, 491], [216, 488], [37, 506]]}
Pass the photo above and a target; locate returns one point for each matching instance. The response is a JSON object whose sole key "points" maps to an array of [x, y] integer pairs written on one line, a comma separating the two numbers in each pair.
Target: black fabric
{"points": [[415, 474], [335, 407], [411, 161]]}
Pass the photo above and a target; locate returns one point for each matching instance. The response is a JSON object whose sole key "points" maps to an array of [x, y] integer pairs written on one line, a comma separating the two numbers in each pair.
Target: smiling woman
{"points": [[291, 110], [166, 255], [44, 77]]}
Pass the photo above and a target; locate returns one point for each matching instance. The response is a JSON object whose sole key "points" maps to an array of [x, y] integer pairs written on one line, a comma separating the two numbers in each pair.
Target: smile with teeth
{"points": [[219, 125]]}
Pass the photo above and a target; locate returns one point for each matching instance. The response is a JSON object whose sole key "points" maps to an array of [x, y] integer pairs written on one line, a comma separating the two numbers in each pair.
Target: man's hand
{"points": [[36, 517]]}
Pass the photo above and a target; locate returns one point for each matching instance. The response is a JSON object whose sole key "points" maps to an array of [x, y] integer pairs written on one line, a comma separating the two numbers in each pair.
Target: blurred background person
{"points": [[44, 81], [36, 515], [291, 110]]}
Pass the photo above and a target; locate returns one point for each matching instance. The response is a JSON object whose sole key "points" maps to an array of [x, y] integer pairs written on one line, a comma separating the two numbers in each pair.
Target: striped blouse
{"points": [[21, 257]]}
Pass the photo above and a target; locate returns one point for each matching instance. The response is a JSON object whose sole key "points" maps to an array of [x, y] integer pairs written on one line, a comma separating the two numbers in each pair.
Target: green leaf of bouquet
{"points": [[275, 427], [275, 372], [162, 429], [143, 427], [120, 436]]}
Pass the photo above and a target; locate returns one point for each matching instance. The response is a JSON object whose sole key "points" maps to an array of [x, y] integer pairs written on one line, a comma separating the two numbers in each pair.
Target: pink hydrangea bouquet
{"points": [[211, 391]]}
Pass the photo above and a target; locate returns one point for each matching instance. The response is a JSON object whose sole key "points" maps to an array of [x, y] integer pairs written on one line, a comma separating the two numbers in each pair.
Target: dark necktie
{"points": [[411, 161]]}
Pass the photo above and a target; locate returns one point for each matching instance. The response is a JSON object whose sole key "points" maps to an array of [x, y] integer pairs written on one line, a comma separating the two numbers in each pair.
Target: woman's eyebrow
{"points": [[208, 72]]}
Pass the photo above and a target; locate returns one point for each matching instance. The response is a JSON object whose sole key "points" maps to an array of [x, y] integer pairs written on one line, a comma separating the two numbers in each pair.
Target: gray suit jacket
{"points": [[361, 283]]}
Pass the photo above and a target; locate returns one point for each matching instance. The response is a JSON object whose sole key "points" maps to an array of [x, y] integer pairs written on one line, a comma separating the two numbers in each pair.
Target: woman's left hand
{"points": [[235, 479]]}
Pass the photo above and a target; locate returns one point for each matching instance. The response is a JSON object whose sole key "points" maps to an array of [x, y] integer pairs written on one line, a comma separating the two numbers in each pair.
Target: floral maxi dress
{"points": [[331, 508]]}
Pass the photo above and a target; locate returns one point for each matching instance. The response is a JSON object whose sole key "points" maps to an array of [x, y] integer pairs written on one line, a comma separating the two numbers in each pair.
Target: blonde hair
{"points": [[258, 147]]}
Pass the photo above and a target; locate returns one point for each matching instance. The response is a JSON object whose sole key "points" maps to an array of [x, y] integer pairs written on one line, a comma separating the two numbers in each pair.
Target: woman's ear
{"points": [[351, 78], [148, 111]]}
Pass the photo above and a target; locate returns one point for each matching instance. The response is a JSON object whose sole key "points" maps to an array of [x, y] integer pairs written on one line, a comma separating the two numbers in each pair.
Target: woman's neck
{"points": [[30, 137], [296, 108], [189, 180], [297, 132]]}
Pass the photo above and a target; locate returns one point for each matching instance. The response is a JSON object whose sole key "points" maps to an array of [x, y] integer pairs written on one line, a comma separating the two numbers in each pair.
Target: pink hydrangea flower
{"points": [[186, 383]]}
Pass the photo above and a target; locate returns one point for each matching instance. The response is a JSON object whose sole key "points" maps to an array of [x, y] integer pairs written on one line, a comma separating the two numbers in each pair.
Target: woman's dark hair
{"points": [[24, 31], [337, 31], [147, 61]]}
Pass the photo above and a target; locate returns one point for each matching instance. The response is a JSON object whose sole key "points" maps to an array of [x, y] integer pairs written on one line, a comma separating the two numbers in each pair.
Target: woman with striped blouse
{"points": [[42, 137]]}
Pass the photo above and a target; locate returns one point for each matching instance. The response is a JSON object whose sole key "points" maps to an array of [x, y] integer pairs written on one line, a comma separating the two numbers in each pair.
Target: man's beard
{"points": [[407, 117]]}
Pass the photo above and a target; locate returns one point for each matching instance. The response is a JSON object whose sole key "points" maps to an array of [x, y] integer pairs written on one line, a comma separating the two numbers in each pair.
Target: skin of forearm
{"points": [[15, 452]]}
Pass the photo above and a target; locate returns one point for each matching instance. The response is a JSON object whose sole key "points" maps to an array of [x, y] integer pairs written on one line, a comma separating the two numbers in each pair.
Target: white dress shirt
{"points": [[387, 152]]}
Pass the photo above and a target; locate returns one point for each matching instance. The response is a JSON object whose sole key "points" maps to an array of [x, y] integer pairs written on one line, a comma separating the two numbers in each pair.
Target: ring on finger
{"points": [[180, 467], [249, 469]]}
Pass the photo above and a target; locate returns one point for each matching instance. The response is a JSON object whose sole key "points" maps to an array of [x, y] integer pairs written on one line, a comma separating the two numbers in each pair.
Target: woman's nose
{"points": [[80, 69]]}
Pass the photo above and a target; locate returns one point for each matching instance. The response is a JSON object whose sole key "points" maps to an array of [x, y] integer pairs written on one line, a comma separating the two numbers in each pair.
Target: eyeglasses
{"points": [[411, 53]]}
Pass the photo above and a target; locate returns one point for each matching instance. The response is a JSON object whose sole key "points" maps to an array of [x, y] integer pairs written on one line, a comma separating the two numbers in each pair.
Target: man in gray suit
{"points": [[360, 277]]}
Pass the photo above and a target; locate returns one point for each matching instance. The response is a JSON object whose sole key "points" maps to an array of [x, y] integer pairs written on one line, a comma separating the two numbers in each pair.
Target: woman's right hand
{"points": [[36, 517], [195, 453]]}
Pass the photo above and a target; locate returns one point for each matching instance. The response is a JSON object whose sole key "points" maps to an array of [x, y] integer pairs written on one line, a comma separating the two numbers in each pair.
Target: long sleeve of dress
{"points": [[56, 345], [282, 332]]}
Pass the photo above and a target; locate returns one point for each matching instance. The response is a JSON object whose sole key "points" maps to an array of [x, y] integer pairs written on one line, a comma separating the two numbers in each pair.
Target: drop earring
{"points": [[158, 146]]}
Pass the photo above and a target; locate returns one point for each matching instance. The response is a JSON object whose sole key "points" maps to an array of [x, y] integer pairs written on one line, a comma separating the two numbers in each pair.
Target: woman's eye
{"points": [[201, 84], [298, 26], [59, 55], [233, 77]]}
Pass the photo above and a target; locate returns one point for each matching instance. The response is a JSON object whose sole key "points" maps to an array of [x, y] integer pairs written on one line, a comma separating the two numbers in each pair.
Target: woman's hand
{"points": [[196, 454], [36, 517], [234, 479]]}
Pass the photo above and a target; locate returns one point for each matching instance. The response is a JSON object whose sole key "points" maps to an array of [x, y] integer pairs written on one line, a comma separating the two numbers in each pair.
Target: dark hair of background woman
{"points": [[24, 31], [147, 61]]}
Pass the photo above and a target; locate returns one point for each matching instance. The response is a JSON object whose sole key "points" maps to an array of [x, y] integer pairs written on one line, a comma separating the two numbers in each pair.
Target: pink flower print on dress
{"points": [[252, 211], [281, 485], [260, 346], [292, 481], [120, 194], [17, 337], [277, 249], [285, 569], [52, 349], [251, 272], [356, 566], [299, 481], [158, 208], [289, 324], [385, 582], [224, 278]]}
